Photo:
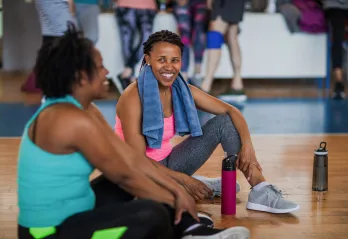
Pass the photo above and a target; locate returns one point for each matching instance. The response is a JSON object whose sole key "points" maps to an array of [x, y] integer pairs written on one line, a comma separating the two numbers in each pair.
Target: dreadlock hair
{"points": [[59, 63], [161, 36]]}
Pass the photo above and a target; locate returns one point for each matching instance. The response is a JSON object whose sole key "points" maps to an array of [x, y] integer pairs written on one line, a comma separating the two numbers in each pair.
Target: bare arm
{"points": [[209, 4], [210, 104], [177, 176], [88, 138], [72, 7]]}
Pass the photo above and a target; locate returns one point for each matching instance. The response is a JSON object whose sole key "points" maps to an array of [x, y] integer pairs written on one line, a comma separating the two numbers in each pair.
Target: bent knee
{"points": [[225, 121]]}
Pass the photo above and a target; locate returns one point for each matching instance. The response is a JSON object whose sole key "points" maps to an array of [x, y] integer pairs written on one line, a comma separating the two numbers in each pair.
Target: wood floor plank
{"points": [[287, 162]]}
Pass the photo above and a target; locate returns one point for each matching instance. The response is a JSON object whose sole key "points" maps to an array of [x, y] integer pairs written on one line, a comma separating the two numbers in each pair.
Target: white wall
{"points": [[268, 48]]}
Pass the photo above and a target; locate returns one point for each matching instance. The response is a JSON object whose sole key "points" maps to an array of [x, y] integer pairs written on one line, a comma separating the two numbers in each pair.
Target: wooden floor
{"points": [[286, 161]]}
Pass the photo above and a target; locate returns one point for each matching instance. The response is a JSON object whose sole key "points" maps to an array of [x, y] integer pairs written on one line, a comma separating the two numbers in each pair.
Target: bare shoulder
{"points": [[129, 100], [70, 118], [60, 126], [195, 90]]}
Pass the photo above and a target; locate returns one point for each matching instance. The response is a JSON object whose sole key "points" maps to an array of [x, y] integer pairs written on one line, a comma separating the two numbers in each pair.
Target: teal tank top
{"points": [[87, 1], [51, 187]]}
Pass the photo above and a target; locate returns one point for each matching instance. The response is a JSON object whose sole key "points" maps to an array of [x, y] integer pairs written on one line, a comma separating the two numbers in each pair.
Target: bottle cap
{"points": [[322, 149], [229, 163]]}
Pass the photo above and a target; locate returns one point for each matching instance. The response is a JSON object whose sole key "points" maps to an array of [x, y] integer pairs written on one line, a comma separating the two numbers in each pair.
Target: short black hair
{"points": [[161, 36], [59, 63]]}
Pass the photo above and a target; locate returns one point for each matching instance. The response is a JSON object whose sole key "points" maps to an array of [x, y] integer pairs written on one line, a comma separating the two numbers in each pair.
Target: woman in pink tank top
{"points": [[161, 65]]}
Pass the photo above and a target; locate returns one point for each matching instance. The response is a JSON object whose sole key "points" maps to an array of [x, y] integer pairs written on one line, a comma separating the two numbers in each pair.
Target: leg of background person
{"points": [[215, 40], [87, 16]]}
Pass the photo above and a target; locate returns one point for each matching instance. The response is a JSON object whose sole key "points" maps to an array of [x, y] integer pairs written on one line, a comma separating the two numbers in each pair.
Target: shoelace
{"points": [[276, 190], [216, 185]]}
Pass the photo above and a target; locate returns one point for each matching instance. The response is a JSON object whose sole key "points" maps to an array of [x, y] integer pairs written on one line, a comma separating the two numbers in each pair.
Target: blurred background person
{"points": [[133, 16], [192, 20], [337, 13], [87, 12], [225, 16], [53, 18]]}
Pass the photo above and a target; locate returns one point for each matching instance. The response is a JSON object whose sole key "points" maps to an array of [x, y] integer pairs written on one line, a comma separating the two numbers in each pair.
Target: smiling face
{"points": [[165, 61], [96, 85], [99, 83]]}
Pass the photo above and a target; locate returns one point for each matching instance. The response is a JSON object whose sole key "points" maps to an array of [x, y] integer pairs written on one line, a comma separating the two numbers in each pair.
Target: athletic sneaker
{"points": [[205, 219], [233, 95], [338, 93], [214, 184], [203, 232], [270, 199]]}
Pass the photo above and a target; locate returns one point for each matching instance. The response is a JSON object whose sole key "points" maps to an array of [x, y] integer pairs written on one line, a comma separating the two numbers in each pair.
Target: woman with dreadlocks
{"points": [[163, 105]]}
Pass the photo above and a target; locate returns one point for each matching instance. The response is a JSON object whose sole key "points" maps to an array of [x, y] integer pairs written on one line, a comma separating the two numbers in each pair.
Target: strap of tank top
{"points": [[48, 102], [34, 129]]}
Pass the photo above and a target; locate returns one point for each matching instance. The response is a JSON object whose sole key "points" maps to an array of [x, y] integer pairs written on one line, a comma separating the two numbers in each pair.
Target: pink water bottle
{"points": [[228, 185]]}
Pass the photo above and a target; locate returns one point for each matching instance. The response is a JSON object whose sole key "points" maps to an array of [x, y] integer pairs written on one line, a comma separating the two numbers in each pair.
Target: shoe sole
{"points": [[258, 207], [230, 233], [202, 215]]}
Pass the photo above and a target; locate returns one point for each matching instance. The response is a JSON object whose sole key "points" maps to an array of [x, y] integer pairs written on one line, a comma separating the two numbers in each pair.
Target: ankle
{"points": [[237, 83], [205, 87], [260, 186], [127, 72]]}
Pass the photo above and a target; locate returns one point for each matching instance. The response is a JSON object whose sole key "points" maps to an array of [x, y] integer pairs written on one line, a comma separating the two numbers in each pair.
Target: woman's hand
{"points": [[184, 203], [247, 158], [198, 190]]}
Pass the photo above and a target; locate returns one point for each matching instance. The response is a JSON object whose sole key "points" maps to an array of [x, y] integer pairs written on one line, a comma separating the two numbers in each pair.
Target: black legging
{"points": [[131, 21], [115, 208], [336, 18]]}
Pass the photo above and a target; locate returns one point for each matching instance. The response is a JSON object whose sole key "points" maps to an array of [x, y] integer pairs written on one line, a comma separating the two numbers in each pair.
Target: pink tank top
{"points": [[168, 134], [140, 4]]}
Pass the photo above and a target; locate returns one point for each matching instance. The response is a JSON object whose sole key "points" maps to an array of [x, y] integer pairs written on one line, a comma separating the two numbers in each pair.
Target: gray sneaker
{"points": [[270, 199], [214, 184]]}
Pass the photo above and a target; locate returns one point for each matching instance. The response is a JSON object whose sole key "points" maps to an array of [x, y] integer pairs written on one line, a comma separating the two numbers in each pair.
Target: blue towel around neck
{"points": [[185, 112]]}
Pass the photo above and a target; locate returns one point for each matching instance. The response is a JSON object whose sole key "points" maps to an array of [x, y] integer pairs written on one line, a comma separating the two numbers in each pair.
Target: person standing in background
{"points": [[192, 20], [133, 16], [336, 12], [53, 17], [225, 17], [87, 12]]}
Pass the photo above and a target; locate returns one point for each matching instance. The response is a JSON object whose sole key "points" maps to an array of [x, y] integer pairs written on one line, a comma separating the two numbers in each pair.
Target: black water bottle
{"points": [[320, 169]]}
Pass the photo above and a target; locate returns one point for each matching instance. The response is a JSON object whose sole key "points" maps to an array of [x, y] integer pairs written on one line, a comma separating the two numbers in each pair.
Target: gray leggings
{"points": [[188, 156]]}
